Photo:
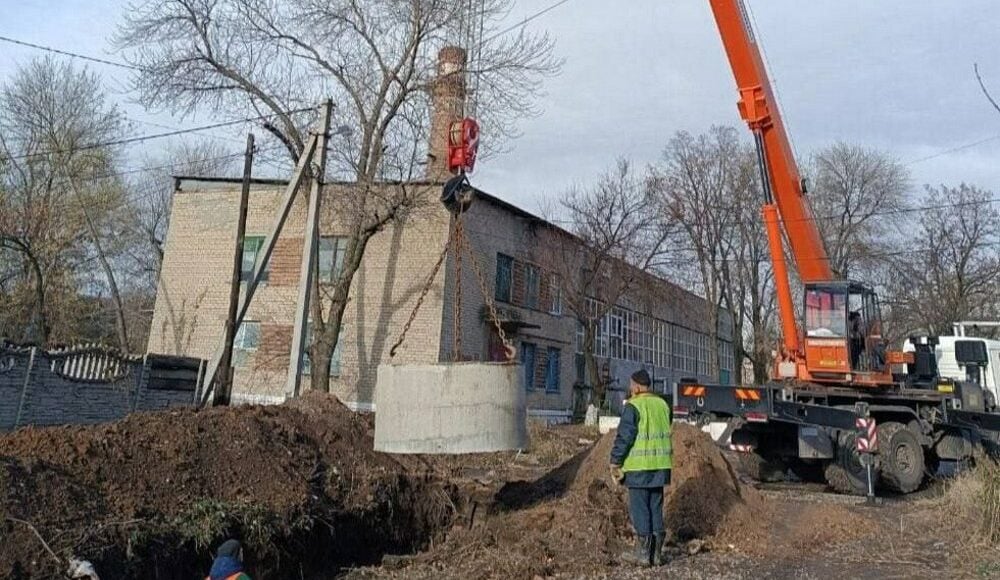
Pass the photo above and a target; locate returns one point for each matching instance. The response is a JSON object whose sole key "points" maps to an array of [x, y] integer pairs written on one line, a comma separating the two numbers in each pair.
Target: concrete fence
{"points": [[90, 384]]}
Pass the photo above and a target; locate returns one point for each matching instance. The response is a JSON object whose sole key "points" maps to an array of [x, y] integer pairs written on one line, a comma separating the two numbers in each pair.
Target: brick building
{"points": [[663, 330]]}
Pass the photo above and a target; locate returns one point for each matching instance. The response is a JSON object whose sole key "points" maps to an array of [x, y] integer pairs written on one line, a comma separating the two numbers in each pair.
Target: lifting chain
{"points": [[508, 346], [456, 332], [420, 299], [457, 242]]}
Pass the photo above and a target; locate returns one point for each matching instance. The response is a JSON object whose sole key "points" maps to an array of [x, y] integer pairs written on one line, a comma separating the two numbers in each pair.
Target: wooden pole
{"points": [[225, 377]]}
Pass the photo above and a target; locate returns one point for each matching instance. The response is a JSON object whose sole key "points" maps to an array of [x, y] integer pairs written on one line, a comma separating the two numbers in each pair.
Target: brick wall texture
{"points": [[191, 301]]}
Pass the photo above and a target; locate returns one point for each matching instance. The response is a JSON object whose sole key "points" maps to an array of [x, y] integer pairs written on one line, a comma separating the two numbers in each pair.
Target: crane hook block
{"points": [[457, 194], [463, 143]]}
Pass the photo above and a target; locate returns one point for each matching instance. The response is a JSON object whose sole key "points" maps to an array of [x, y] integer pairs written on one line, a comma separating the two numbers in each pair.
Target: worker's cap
{"points": [[229, 548], [641, 377]]}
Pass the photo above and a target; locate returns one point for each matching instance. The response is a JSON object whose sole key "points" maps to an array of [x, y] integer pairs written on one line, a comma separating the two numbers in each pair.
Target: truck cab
{"points": [[970, 359]]}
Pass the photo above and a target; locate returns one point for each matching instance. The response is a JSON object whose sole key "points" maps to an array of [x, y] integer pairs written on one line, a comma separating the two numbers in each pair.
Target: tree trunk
{"points": [[39, 319], [739, 350], [325, 341], [599, 392], [320, 354], [120, 325]]}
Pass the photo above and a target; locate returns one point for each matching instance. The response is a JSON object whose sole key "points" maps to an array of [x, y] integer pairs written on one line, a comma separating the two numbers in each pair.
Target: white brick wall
{"points": [[191, 303]]}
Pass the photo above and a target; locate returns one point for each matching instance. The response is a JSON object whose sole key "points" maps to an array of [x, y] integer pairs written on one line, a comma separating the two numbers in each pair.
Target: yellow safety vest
{"points": [[652, 449]]}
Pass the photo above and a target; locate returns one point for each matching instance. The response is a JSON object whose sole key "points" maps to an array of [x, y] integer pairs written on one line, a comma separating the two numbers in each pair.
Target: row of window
{"points": [[332, 250], [624, 334], [531, 295], [247, 341], [529, 363]]}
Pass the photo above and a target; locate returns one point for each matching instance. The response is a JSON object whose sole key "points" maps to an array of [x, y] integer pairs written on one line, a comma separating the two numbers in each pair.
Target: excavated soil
{"points": [[574, 519], [299, 484], [153, 494]]}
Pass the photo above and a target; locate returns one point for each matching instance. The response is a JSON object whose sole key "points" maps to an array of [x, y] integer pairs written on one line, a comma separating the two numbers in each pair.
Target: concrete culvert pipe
{"points": [[450, 408]]}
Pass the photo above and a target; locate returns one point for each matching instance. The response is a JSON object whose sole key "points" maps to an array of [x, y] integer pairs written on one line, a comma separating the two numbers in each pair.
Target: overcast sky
{"points": [[891, 74]]}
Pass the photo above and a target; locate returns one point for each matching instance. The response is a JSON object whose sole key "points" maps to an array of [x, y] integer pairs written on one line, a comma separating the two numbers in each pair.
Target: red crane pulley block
{"points": [[463, 143]]}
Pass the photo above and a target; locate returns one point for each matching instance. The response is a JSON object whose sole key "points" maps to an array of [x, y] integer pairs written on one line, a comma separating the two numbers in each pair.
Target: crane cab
{"points": [[843, 340]]}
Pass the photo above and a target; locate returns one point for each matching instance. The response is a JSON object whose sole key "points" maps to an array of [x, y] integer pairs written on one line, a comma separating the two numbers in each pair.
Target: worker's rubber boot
{"points": [[658, 558], [640, 556]]}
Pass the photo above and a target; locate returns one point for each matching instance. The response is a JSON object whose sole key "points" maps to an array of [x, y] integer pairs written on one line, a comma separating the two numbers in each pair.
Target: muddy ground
{"points": [[150, 496]]}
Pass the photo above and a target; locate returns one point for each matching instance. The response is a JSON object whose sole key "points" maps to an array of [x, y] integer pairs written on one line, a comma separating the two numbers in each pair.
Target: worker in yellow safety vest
{"points": [[228, 563], [641, 459]]}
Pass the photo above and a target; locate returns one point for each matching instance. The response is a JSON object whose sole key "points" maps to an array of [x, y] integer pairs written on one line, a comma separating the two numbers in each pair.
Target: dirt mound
{"points": [[574, 520], [153, 493]]}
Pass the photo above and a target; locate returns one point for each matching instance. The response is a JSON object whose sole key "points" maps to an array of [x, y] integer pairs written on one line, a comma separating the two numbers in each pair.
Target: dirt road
{"points": [[782, 531]]}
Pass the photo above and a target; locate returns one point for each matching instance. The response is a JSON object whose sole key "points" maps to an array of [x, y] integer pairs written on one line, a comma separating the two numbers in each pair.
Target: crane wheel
{"points": [[759, 468], [902, 458], [845, 473]]}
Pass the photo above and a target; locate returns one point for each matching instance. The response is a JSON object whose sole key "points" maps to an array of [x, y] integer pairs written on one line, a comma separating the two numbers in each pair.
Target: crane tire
{"points": [[845, 472], [902, 458], [760, 468]]}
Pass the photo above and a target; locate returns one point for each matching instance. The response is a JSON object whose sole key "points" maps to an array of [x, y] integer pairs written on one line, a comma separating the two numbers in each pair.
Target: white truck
{"points": [[969, 358]]}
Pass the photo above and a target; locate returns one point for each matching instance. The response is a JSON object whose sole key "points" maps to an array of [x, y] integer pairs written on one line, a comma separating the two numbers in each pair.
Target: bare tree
{"points": [[750, 292], [54, 193], [705, 183], [614, 242], [374, 58], [152, 190], [856, 194], [953, 269], [141, 223]]}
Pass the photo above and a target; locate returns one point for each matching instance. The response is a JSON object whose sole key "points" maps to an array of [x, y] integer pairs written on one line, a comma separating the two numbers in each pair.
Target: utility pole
{"points": [[310, 253], [302, 168], [225, 371]]}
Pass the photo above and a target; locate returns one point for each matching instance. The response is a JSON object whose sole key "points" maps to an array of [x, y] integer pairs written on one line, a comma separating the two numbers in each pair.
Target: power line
{"points": [[894, 211], [141, 138], [70, 54], [953, 150], [526, 20], [173, 127]]}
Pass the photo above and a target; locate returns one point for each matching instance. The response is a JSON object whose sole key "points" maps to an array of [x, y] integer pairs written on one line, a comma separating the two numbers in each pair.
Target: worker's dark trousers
{"points": [[645, 505]]}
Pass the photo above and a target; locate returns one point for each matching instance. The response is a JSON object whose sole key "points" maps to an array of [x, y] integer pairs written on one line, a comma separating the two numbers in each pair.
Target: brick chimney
{"points": [[447, 107]]}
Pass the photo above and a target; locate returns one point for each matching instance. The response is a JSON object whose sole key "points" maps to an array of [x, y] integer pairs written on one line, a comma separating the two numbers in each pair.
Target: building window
{"points": [[532, 284], [334, 358], [704, 356], [332, 250], [616, 327], [505, 270], [552, 371], [252, 248], [685, 351], [246, 341], [528, 362], [556, 290], [727, 362]]}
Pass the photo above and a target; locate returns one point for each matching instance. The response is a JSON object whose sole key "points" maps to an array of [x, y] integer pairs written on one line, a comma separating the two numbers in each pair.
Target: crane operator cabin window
{"points": [[826, 313]]}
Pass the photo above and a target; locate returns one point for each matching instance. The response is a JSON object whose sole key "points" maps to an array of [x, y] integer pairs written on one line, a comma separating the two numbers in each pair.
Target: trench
{"points": [[317, 541]]}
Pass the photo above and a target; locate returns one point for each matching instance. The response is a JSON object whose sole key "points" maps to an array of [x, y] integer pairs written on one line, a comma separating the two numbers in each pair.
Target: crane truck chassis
{"points": [[835, 366], [811, 430]]}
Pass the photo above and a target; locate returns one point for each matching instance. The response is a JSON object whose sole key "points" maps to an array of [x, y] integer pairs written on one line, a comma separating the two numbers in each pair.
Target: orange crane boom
{"points": [[841, 342], [759, 109], [784, 202]]}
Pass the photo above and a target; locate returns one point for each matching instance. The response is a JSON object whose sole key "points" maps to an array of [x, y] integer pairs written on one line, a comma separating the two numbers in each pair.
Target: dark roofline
{"points": [[236, 180], [270, 181]]}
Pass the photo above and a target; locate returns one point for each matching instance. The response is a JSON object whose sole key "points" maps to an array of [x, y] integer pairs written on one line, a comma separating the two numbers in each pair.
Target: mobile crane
{"points": [[836, 367]]}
